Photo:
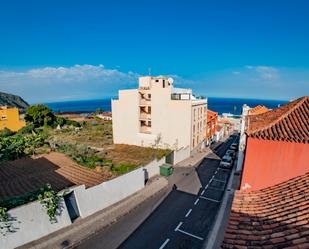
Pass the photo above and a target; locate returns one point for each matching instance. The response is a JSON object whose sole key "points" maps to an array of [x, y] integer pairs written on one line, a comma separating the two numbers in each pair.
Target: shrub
{"points": [[40, 115], [123, 168], [6, 132]]}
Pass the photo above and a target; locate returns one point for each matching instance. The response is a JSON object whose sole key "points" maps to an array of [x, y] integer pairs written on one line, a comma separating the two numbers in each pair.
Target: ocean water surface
{"points": [[220, 105]]}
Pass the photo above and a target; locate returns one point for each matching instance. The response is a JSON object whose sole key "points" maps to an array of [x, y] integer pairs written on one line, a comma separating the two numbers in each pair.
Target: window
{"points": [[149, 96], [163, 83], [157, 80]]}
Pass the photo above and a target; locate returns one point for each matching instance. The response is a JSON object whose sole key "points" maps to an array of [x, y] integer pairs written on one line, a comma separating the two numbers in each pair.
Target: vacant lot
{"points": [[98, 135]]}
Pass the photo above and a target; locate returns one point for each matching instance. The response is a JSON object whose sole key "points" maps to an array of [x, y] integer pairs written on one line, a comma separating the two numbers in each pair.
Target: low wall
{"points": [[153, 168], [107, 193], [181, 154], [31, 222]]}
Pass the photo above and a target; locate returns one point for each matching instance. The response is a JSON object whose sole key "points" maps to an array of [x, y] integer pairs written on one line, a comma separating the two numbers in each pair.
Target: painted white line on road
{"points": [[219, 180], [190, 234], [189, 212], [209, 199], [203, 192], [164, 244], [197, 200], [176, 229], [219, 189], [206, 186], [216, 172]]}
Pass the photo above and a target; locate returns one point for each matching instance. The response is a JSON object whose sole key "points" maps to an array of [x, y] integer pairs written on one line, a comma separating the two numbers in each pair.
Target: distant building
{"points": [[107, 116], [158, 114], [9, 118], [211, 127]]}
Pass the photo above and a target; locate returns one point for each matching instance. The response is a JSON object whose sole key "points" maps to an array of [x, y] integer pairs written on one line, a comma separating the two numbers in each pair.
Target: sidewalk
{"points": [[83, 228]]}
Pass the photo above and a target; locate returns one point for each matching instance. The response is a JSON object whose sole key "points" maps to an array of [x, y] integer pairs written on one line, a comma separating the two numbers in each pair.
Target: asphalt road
{"points": [[183, 220]]}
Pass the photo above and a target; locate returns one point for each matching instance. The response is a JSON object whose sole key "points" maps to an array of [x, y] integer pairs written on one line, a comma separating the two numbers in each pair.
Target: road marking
{"points": [[190, 234], [164, 244], [176, 229], [216, 172], [220, 189], [203, 192], [197, 200], [219, 180], [209, 199], [189, 212], [206, 186]]}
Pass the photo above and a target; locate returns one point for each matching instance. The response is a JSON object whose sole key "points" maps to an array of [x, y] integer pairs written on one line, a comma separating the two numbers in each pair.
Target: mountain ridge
{"points": [[12, 100]]}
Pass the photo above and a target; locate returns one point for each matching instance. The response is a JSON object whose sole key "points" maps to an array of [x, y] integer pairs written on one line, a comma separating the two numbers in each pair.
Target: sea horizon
{"points": [[217, 104]]}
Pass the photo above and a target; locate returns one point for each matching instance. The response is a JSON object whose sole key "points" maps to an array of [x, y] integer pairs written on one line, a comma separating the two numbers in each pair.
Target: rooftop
{"points": [[289, 122], [274, 217], [259, 109]]}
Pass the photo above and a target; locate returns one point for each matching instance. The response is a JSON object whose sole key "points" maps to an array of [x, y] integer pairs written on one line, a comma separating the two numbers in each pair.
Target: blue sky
{"points": [[62, 50]]}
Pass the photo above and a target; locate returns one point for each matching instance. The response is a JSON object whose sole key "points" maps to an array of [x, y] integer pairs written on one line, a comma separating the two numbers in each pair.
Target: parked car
{"points": [[234, 146], [230, 153], [226, 162]]}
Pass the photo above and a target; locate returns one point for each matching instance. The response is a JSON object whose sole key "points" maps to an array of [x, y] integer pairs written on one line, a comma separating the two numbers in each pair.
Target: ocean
{"points": [[220, 105]]}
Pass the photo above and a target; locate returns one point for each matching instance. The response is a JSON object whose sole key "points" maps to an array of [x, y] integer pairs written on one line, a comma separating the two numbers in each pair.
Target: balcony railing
{"points": [[145, 116], [144, 102], [145, 129]]}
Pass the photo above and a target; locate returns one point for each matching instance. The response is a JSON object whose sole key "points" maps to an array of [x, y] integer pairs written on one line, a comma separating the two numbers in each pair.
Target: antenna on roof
{"points": [[149, 71]]}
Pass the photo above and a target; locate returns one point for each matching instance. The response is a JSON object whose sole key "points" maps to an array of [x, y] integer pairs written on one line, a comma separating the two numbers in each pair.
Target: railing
{"points": [[145, 116], [144, 102], [145, 129]]}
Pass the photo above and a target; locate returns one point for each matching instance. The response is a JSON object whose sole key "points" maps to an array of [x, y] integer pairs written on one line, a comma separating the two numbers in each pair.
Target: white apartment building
{"points": [[157, 114]]}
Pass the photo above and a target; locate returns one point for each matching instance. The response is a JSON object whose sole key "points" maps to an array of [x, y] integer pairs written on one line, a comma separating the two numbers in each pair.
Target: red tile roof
{"points": [[259, 109], [289, 122], [274, 217]]}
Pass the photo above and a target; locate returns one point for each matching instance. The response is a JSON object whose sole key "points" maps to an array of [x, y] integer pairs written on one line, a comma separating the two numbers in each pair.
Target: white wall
{"points": [[107, 193], [181, 154], [126, 117], [153, 168], [32, 223]]}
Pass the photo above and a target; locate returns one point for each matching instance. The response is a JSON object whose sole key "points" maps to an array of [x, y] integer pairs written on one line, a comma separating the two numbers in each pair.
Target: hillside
{"points": [[11, 100]]}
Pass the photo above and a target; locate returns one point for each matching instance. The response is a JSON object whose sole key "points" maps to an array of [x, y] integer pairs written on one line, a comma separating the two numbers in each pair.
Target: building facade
{"points": [[9, 118], [277, 145], [211, 127], [158, 114]]}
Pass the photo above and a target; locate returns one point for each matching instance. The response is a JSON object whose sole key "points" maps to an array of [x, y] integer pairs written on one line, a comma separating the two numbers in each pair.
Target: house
{"points": [[271, 209], [211, 127], [107, 116], [9, 118], [158, 114], [277, 145]]}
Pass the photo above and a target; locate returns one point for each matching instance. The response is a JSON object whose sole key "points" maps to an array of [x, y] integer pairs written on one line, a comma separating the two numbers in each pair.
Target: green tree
{"points": [[99, 111], [40, 115]]}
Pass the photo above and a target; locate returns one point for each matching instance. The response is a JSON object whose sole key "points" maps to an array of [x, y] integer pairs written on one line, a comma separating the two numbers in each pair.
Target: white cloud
{"points": [[236, 72], [57, 83], [264, 72]]}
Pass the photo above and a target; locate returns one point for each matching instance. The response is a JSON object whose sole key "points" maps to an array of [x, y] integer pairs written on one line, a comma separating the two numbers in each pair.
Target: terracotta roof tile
{"points": [[289, 122], [274, 217], [259, 109]]}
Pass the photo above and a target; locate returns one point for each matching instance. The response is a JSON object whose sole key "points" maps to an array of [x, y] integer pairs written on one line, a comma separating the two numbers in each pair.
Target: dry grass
{"points": [[99, 135]]}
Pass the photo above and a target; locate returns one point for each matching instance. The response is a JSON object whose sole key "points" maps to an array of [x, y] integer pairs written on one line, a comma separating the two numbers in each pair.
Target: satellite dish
{"points": [[170, 80]]}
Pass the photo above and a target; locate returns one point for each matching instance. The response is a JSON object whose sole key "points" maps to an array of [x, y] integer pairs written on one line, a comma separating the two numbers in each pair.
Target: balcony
{"points": [[145, 129], [144, 102], [145, 116]]}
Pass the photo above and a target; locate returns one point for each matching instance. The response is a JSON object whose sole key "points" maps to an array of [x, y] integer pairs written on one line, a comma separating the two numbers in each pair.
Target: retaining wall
{"points": [[181, 154], [31, 222]]}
